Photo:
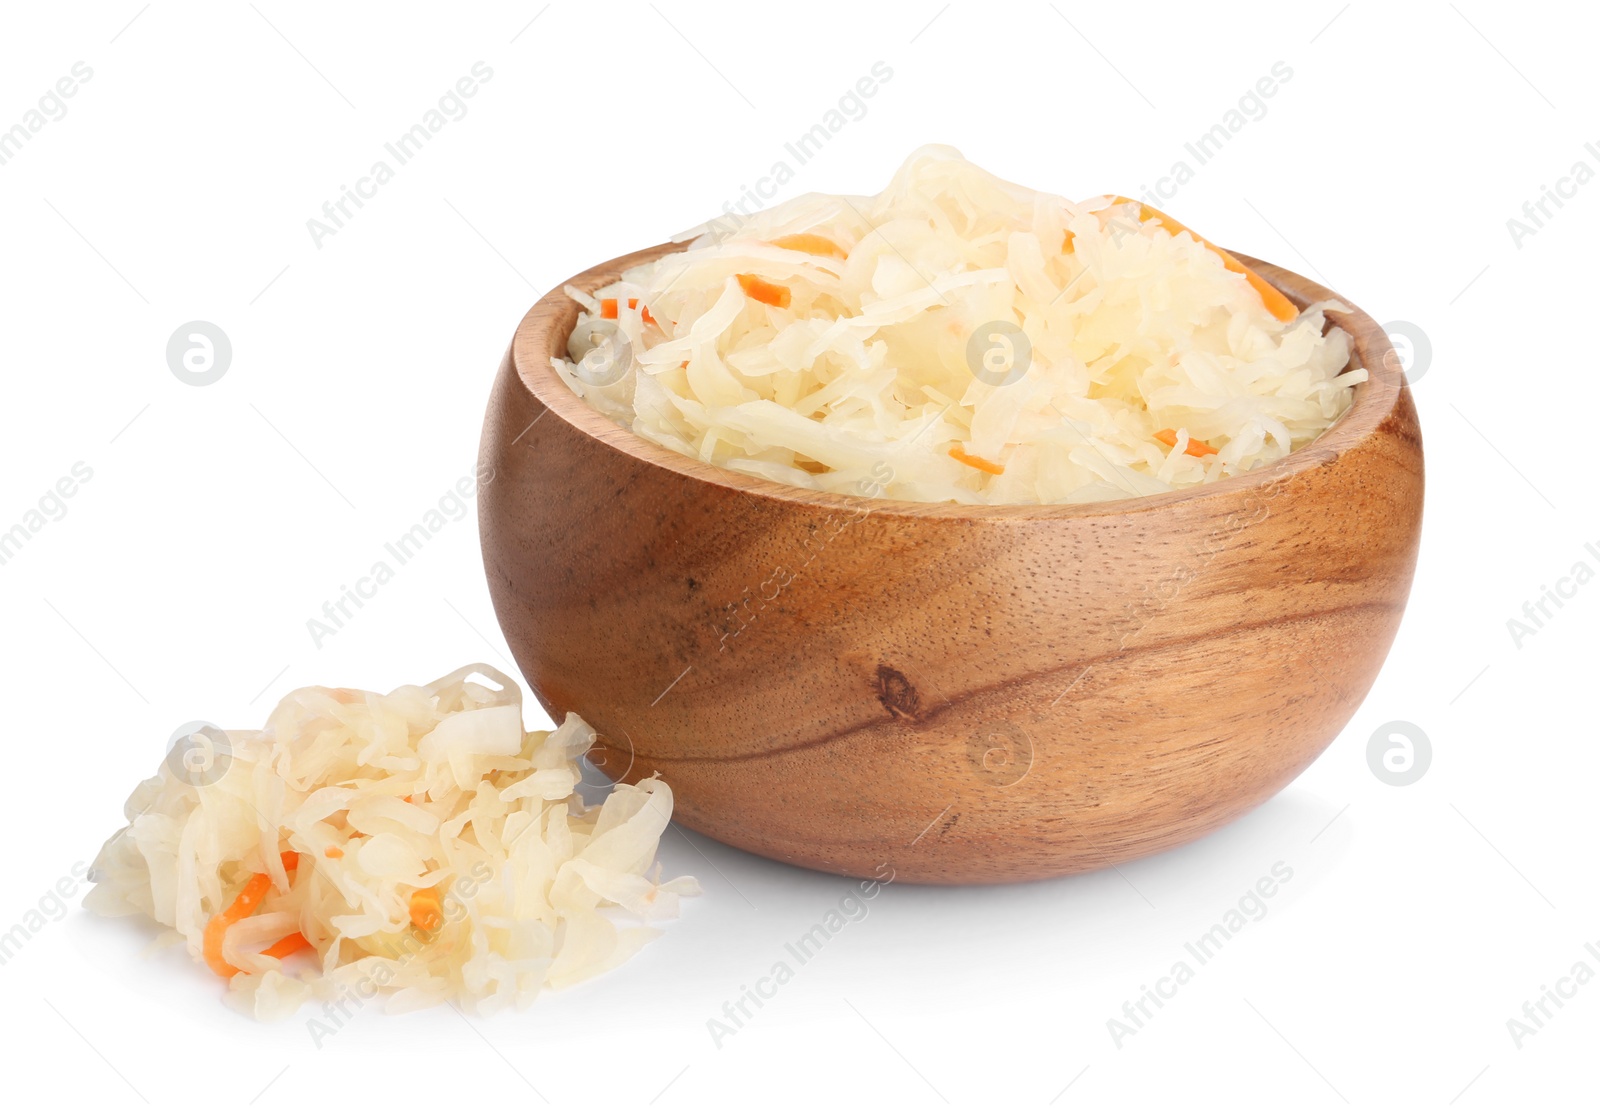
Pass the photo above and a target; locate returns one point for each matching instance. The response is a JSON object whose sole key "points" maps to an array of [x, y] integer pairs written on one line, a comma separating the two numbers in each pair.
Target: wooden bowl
{"points": [[962, 694]]}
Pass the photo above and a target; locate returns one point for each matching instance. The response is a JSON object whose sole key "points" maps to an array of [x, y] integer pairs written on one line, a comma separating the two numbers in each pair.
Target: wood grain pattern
{"points": [[965, 694]]}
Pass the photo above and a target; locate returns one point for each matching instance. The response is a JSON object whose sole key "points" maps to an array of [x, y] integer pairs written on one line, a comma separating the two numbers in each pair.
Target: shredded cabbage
{"points": [[430, 795], [965, 339]]}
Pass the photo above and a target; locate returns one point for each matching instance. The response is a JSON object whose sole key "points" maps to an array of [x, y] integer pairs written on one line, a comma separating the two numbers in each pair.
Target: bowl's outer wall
{"points": [[957, 699]]}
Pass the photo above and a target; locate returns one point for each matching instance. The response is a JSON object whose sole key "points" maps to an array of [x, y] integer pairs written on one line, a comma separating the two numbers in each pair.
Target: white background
{"points": [[177, 187]]}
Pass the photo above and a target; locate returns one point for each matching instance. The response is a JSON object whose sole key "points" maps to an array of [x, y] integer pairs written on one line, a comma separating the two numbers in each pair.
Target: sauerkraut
{"points": [[960, 338], [418, 845]]}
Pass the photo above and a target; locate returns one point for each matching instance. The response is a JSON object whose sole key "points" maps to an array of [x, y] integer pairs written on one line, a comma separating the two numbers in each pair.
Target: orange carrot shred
{"points": [[608, 309], [1196, 448], [333, 852], [810, 244], [764, 291], [217, 927], [211, 947], [975, 462], [249, 899], [426, 912], [1279, 305], [1066, 243], [294, 941]]}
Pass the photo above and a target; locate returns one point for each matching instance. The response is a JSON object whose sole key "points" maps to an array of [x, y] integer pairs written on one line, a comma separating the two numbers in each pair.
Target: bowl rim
{"points": [[546, 326]]}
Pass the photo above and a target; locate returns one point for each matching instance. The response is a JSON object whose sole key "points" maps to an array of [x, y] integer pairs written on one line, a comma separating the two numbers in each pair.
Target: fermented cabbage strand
{"points": [[958, 338], [429, 797]]}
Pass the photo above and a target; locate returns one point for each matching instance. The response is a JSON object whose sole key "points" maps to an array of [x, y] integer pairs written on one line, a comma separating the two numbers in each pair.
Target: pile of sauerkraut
{"points": [[960, 338], [417, 844]]}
